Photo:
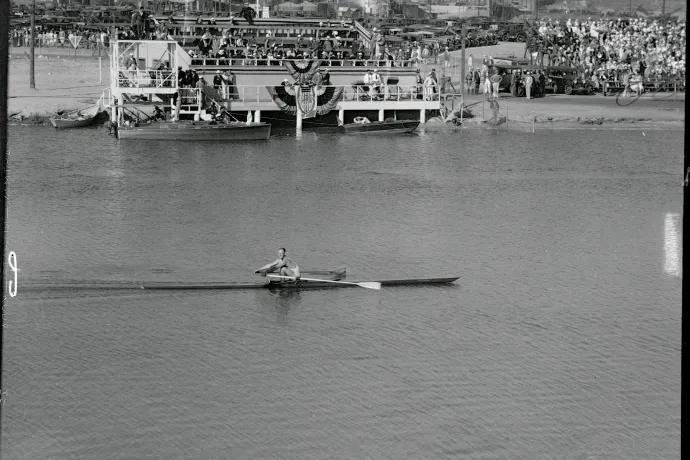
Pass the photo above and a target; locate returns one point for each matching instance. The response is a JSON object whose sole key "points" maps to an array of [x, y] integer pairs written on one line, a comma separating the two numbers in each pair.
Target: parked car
{"points": [[489, 37], [513, 32], [559, 79], [566, 80]]}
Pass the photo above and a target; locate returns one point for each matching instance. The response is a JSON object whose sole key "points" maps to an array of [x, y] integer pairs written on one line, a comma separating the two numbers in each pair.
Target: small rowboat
{"points": [[76, 119], [364, 126], [186, 130]]}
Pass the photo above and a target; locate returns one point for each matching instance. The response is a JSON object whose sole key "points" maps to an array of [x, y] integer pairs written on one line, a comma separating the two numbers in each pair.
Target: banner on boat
{"points": [[306, 100], [311, 98]]}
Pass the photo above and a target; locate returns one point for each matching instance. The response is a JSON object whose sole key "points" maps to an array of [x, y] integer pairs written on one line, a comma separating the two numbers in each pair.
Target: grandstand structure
{"points": [[155, 79]]}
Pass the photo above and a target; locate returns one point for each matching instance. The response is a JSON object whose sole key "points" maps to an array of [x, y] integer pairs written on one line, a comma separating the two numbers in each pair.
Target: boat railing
{"points": [[107, 97], [253, 61], [162, 78], [391, 93], [190, 99], [254, 94]]}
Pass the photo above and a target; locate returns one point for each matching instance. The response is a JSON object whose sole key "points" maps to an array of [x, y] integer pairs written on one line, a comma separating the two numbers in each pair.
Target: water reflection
{"points": [[285, 300]]}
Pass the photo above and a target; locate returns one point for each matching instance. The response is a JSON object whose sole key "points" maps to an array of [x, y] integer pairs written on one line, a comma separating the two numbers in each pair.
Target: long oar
{"points": [[366, 284]]}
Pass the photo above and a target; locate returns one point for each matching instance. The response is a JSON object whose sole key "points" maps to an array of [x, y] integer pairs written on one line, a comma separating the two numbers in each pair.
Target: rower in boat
{"points": [[284, 265]]}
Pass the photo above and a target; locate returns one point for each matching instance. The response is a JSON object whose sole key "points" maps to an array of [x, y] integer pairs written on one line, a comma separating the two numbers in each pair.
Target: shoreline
{"points": [[435, 124], [68, 84]]}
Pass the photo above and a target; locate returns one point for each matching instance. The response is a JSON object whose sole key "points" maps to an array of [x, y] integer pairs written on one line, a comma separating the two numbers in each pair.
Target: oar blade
{"points": [[370, 285]]}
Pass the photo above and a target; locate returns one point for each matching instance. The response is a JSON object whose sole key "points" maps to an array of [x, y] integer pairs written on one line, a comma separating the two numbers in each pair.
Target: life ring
{"points": [[361, 120]]}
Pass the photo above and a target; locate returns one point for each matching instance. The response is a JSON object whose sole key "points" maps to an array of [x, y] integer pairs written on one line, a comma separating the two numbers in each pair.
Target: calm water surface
{"points": [[561, 340]]}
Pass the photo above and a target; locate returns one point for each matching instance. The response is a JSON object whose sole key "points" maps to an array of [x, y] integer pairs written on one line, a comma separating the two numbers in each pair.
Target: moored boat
{"points": [[188, 130], [76, 119], [364, 126]]}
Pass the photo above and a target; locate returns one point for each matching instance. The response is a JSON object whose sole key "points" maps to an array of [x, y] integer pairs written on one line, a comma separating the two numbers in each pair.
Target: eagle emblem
{"points": [[307, 100], [312, 99]]}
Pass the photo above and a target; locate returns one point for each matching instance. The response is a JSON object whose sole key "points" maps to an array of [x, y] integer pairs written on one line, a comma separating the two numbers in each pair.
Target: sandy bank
{"points": [[579, 110], [61, 84]]}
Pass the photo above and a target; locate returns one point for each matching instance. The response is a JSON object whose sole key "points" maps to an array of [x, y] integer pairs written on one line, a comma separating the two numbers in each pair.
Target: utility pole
{"points": [[536, 9], [32, 73], [462, 62], [663, 7]]}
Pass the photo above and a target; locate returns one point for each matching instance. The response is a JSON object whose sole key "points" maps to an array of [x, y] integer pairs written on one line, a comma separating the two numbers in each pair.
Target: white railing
{"points": [[255, 94], [162, 57], [146, 78], [190, 100], [107, 97], [272, 62], [391, 93]]}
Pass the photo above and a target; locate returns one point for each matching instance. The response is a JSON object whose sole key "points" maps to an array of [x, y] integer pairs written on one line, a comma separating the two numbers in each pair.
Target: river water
{"points": [[561, 339]]}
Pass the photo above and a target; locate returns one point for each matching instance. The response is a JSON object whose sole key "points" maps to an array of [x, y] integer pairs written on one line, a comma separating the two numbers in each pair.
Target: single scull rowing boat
{"points": [[303, 284]]}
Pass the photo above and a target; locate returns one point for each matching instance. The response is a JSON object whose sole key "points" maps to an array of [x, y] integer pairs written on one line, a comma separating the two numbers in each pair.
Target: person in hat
{"points": [[495, 79], [141, 23], [420, 84], [162, 30], [429, 85], [469, 83], [132, 67], [248, 13], [376, 82], [445, 57], [513, 83], [369, 82], [529, 80], [201, 86], [136, 19], [359, 62], [229, 85], [218, 80], [326, 78]]}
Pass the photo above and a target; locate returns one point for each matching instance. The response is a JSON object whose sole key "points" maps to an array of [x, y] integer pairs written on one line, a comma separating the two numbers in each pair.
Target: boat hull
{"points": [[293, 285], [79, 119], [197, 131], [66, 123], [381, 127]]}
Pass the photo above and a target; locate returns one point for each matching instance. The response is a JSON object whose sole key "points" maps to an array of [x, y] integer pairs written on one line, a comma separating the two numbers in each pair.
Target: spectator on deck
{"points": [[429, 85]]}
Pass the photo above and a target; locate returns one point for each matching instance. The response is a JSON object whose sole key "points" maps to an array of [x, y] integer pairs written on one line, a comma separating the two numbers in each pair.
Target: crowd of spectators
{"points": [[336, 47], [611, 50], [59, 37]]}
